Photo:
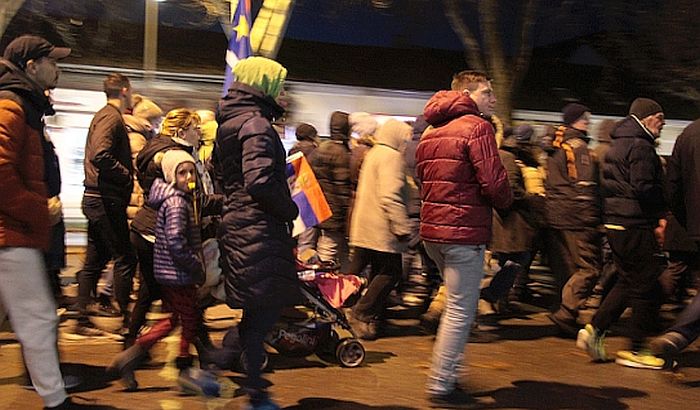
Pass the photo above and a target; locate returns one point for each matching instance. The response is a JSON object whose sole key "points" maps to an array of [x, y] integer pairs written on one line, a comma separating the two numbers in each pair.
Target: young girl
{"points": [[177, 266]]}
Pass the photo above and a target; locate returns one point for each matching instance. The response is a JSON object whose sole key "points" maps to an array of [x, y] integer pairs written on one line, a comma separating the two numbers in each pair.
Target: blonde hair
{"points": [[178, 119], [145, 108]]}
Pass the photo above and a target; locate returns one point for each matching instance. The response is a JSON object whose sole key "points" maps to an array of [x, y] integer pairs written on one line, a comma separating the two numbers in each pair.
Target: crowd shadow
{"points": [[322, 403], [91, 377], [527, 394]]}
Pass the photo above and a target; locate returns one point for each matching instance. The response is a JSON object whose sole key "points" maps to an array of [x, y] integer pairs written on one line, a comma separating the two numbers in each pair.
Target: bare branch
{"points": [[466, 36]]}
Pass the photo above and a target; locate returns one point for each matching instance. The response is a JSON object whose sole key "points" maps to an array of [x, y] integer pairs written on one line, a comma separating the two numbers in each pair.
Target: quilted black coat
{"points": [[255, 233]]}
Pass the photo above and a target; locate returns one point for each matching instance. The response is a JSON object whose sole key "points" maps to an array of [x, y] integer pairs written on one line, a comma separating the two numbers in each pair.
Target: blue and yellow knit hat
{"points": [[262, 73]]}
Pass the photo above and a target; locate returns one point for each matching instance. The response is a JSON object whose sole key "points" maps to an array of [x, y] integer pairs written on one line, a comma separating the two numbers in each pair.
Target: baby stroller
{"points": [[320, 326], [317, 326]]}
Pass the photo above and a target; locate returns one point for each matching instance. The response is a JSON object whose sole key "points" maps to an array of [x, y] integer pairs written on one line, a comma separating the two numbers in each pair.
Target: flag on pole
{"points": [[306, 193], [239, 43]]}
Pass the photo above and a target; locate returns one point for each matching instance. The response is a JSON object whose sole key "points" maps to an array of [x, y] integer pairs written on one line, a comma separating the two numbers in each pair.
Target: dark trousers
{"points": [[511, 266], [637, 284], [688, 323], [255, 324], [181, 301], [679, 273], [108, 238], [149, 290], [575, 259], [385, 273]]}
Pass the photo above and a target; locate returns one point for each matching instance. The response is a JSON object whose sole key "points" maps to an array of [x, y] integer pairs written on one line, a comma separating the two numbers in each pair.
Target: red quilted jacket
{"points": [[461, 173]]}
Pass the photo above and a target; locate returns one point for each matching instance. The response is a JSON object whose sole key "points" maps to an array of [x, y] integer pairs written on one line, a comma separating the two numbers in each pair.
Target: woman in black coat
{"points": [[255, 233]]}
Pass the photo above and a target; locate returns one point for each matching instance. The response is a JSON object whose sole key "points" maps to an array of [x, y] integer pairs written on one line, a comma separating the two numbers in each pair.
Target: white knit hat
{"points": [[171, 160]]}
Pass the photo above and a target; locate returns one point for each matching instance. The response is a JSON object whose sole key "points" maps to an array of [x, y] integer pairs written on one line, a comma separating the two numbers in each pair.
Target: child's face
{"points": [[185, 174]]}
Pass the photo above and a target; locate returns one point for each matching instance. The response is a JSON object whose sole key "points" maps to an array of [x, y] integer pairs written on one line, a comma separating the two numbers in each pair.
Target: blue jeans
{"points": [[462, 268]]}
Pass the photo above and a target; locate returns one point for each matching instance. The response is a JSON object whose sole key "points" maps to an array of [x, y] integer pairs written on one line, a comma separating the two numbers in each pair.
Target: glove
{"points": [[55, 210]]}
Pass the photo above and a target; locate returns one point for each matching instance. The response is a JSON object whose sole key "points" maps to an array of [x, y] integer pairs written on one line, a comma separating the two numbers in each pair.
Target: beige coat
{"points": [[380, 217]]}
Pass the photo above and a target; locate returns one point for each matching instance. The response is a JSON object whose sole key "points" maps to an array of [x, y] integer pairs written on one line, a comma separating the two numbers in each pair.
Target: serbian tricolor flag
{"points": [[306, 193]]}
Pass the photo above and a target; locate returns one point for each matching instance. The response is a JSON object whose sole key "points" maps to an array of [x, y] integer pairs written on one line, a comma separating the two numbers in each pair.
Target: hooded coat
{"points": [[331, 165], [178, 239], [380, 215], [255, 232], [632, 178], [24, 217], [461, 174]]}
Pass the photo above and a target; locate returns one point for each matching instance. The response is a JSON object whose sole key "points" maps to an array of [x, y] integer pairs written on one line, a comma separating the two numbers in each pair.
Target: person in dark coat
{"points": [[255, 232], [108, 184], [573, 208], [683, 193], [607, 277], [331, 165], [513, 229], [634, 220], [307, 140]]}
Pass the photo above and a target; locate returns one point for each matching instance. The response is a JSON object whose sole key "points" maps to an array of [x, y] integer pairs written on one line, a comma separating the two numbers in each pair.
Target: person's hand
{"points": [[660, 232], [55, 210]]}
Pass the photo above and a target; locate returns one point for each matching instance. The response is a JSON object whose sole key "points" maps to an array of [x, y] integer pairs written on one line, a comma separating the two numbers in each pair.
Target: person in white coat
{"points": [[380, 226]]}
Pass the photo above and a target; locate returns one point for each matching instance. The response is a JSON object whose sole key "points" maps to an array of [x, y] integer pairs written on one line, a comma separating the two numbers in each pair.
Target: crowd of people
{"points": [[451, 187]]}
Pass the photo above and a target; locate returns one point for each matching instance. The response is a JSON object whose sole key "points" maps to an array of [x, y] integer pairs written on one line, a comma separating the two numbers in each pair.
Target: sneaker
{"points": [[486, 308], [668, 345], [456, 399], [639, 360], [593, 342]]}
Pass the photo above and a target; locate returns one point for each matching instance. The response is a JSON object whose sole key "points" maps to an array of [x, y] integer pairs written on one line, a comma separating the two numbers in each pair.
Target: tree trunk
{"points": [[7, 13]]}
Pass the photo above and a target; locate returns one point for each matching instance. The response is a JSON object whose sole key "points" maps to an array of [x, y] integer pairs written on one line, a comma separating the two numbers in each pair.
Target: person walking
{"points": [[380, 226], [108, 185], [27, 72], [634, 220], [462, 179], [683, 193], [177, 267], [255, 234]]}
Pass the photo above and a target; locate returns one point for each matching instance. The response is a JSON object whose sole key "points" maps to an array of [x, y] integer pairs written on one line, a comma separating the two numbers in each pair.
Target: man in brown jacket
{"points": [[27, 71]]}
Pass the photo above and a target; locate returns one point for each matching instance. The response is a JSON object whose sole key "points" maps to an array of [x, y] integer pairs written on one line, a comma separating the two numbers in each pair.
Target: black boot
{"points": [[125, 363]]}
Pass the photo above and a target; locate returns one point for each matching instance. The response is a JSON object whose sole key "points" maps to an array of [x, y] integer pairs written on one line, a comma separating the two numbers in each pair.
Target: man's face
{"points": [[484, 97], [582, 123], [44, 72], [128, 98], [654, 123], [191, 134]]}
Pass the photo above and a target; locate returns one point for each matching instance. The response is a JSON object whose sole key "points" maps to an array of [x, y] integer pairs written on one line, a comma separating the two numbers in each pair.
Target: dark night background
{"points": [[410, 45]]}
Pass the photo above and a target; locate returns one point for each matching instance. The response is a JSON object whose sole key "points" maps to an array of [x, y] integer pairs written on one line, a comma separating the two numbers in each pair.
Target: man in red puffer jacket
{"points": [[462, 179]]}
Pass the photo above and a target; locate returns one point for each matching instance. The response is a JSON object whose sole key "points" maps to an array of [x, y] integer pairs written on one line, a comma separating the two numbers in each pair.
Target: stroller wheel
{"points": [[350, 353], [243, 362]]}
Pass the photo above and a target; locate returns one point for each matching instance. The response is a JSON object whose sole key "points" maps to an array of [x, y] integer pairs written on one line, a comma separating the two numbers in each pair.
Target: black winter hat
{"points": [[644, 107], [573, 112], [25, 48], [306, 132], [523, 133]]}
